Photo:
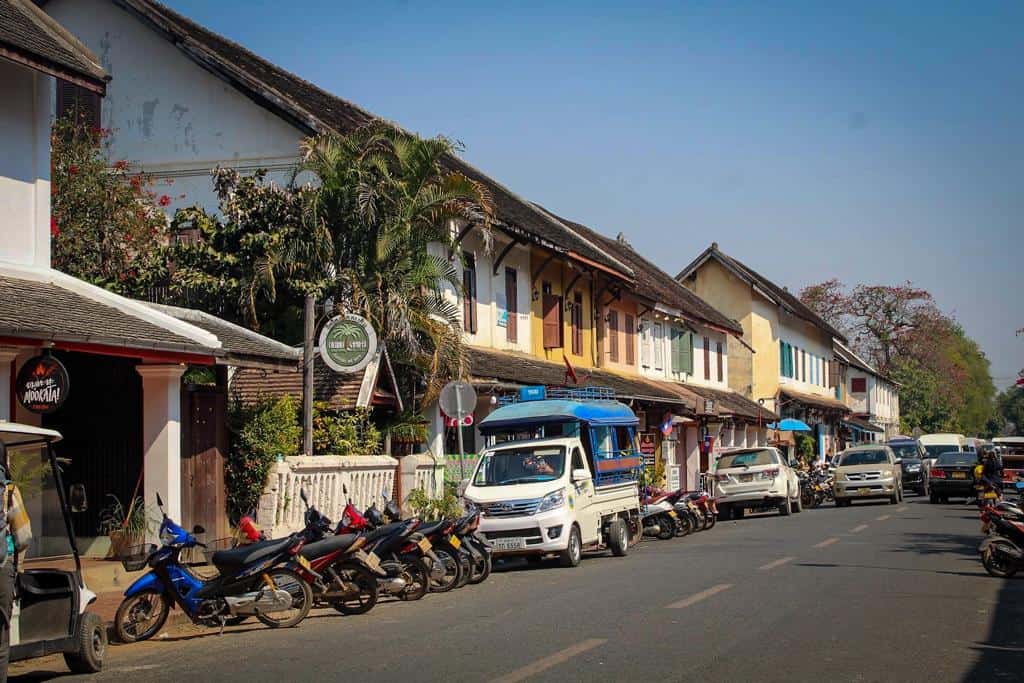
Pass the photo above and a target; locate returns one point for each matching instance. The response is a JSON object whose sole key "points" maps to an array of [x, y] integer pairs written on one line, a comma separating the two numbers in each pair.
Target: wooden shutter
{"points": [[658, 334], [675, 336], [707, 358], [803, 366], [577, 324], [78, 104], [552, 324], [833, 374], [630, 340], [718, 350], [858, 385], [613, 336], [469, 294], [511, 304]]}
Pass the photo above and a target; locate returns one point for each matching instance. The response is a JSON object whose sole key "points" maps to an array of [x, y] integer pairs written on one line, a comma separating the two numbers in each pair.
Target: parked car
{"points": [[868, 472], [915, 475], [952, 476], [757, 479], [937, 444]]}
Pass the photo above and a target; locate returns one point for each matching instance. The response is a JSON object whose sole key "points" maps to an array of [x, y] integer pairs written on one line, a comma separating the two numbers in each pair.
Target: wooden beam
{"points": [[503, 254], [458, 239], [572, 283], [540, 269]]}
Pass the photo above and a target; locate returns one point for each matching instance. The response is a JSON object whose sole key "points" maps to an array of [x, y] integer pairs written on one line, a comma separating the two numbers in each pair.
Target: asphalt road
{"points": [[875, 592]]}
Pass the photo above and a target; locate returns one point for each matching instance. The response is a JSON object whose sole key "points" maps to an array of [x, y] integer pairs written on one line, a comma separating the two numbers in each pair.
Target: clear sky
{"points": [[875, 142]]}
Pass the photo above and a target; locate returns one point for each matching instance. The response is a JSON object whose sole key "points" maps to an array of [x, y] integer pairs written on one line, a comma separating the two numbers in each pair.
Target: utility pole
{"points": [[307, 376]]}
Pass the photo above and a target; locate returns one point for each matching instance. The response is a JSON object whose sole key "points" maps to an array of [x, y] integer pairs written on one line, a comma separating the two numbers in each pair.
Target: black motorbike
{"points": [[1002, 551]]}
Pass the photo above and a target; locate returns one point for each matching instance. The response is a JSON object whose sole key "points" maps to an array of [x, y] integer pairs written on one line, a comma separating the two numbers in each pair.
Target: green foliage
{"points": [[434, 508], [199, 374], [103, 217], [116, 517], [28, 472], [409, 428], [805, 448], [345, 433], [259, 433], [1011, 409]]}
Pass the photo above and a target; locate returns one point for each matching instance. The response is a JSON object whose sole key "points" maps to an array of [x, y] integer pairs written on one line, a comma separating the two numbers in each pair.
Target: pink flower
{"points": [[73, 169], [54, 230]]}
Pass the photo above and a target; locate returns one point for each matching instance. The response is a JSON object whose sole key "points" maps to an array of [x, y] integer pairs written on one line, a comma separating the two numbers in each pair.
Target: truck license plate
{"points": [[864, 490], [508, 543], [746, 477]]}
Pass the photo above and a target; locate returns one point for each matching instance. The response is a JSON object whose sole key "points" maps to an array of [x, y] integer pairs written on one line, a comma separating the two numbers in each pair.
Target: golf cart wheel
{"points": [[141, 616], [92, 645]]}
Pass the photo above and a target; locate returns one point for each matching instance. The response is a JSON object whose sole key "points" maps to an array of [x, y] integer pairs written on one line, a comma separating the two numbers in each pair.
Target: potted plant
{"points": [[124, 527]]}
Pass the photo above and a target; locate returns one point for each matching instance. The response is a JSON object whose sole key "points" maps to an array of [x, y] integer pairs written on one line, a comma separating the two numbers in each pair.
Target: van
{"points": [[937, 444]]}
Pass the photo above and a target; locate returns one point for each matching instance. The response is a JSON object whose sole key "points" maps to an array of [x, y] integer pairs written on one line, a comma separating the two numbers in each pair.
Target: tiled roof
{"points": [[863, 425], [235, 340], [781, 295], [317, 110], [734, 404], [813, 400], [655, 284], [30, 32]]}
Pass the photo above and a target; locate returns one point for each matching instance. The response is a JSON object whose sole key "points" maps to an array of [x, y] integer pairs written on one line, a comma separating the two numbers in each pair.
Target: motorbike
{"points": [[342, 575], [1002, 551], [658, 516], [811, 494], [253, 580], [705, 508], [402, 558], [473, 543]]}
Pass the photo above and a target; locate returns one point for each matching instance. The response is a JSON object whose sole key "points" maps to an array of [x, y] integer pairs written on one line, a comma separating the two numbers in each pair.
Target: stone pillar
{"points": [[161, 437], [7, 356]]}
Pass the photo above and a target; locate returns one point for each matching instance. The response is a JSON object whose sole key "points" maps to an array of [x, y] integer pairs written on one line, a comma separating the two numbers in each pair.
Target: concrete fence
{"points": [[324, 478], [422, 471]]}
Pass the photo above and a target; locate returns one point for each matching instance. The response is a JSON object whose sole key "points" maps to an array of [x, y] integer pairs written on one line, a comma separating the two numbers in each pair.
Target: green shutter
{"points": [[675, 335], [686, 352]]}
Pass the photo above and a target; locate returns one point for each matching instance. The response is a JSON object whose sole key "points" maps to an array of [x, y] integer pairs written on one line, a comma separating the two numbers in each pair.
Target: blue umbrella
{"points": [[790, 425]]}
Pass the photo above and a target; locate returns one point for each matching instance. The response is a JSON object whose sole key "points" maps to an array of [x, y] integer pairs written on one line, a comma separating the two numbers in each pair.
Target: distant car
{"points": [[937, 444], [755, 478], [912, 458], [952, 476], [868, 472]]}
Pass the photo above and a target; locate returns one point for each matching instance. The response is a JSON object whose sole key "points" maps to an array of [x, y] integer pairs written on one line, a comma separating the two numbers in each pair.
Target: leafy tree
{"points": [[828, 300], [103, 217], [1011, 408], [260, 433]]}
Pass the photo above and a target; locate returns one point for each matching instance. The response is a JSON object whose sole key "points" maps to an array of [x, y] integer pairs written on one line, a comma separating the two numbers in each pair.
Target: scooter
{"points": [[253, 580], [474, 545], [1002, 552], [658, 516]]}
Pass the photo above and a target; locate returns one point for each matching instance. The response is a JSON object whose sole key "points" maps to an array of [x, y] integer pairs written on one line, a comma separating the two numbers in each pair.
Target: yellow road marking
{"points": [[546, 663], [859, 528], [827, 542], [697, 597], [776, 563]]}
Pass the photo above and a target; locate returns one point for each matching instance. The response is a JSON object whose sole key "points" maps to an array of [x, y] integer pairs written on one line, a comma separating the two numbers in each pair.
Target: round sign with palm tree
{"points": [[348, 343]]}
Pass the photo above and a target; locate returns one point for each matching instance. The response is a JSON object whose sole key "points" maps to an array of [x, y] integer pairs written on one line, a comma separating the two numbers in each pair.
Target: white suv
{"points": [[755, 478]]}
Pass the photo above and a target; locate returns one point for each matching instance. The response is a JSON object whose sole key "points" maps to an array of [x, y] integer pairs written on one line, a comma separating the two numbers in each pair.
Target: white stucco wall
{"points": [[646, 355], [25, 165], [802, 336], [170, 117]]}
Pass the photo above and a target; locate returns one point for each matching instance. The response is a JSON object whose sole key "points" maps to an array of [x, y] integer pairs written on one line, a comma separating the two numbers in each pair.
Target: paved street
{"points": [[869, 593]]}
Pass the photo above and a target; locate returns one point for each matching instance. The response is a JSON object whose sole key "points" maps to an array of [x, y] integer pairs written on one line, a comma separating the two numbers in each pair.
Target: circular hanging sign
{"points": [[348, 343], [43, 384]]}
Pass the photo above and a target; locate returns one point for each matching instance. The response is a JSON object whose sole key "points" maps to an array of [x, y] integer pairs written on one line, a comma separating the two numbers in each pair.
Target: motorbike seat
{"points": [[242, 555], [311, 551], [382, 531], [428, 528]]}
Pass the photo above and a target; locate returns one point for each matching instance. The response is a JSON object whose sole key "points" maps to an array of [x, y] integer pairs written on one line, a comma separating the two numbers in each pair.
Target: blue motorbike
{"points": [[252, 581]]}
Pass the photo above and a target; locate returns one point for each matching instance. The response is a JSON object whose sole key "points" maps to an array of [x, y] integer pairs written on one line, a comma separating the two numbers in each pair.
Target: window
{"points": [[577, 324], [552, 318], [718, 350], [803, 365], [658, 335], [645, 344], [707, 358], [78, 103], [814, 369], [578, 463], [613, 336], [512, 304], [682, 351], [858, 385], [630, 340], [469, 294], [782, 358]]}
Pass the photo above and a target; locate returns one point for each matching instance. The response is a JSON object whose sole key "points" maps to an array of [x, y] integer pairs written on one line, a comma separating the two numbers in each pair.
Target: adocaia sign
{"points": [[43, 384], [348, 343]]}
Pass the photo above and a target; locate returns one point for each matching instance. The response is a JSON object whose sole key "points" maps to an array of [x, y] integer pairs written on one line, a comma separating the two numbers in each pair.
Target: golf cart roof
{"points": [[17, 435], [530, 414]]}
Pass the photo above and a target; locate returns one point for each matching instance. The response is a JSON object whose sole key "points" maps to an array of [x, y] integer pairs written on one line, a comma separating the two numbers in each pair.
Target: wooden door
{"points": [[204, 444]]}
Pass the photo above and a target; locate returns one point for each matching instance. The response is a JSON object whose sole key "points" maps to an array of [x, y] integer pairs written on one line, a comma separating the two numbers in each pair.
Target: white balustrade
{"points": [[423, 471], [324, 478]]}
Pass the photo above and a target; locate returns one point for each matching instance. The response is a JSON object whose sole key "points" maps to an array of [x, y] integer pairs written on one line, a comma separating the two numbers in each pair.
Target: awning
{"points": [[732, 404], [790, 425], [813, 400], [858, 424]]}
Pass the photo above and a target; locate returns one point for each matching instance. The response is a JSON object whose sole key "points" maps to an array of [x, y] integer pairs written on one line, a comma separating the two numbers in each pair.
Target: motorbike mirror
{"points": [[302, 495], [198, 529], [159, 501], [344, 489], [76, 496]]}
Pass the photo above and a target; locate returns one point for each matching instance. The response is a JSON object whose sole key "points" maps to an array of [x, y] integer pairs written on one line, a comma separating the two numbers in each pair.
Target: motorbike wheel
{"points": [[302, 599], [480, 569], [141, 616], [996, 565], [709, 520], [695, 522], [807, 499], [684, 526], [465, 567], [451, 566], [667, 527], [417, 579], [366, 589]]}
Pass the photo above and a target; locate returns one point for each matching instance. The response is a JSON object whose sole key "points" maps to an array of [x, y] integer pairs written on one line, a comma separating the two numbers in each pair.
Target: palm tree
{"points": [[383, 196]]}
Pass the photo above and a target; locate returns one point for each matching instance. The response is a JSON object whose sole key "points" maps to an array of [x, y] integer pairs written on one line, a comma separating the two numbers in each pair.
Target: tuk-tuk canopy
{"points": [[528, 414], [17, 435]]}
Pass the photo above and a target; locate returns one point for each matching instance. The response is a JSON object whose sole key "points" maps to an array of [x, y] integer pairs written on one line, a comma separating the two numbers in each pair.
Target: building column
{"points": [[161, 437], [7, 356]]}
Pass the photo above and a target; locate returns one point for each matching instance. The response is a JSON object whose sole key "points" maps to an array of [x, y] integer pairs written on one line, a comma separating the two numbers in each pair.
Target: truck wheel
{"points": [[724, 512], [570, 557], [738, 512], [92, 644], [618, 537]]}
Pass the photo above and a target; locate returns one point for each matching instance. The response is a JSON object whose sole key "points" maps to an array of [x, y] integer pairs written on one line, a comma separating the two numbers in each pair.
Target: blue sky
{"points": [[874, 142]]}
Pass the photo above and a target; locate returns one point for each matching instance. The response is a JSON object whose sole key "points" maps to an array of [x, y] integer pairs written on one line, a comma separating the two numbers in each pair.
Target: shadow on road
{"points": [[833, 565], [1001, 653], [940, 544]]}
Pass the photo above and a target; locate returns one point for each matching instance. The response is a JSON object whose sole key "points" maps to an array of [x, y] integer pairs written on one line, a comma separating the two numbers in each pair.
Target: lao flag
{"points": [[666, 424]]}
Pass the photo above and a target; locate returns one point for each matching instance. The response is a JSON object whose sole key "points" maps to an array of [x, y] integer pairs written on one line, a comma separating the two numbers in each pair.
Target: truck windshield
{"points": [[520, 466]]}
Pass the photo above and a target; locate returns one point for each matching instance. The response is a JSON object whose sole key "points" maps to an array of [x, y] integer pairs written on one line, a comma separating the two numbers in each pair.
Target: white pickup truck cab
{"points": [[562, 484]]}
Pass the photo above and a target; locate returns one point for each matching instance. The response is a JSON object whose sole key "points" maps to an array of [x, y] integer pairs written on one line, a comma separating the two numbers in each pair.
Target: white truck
{"points": [[563, 480]]}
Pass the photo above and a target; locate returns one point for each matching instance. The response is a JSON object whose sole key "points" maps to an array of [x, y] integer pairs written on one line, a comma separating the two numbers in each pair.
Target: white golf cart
{"points": [[49, 614]]}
